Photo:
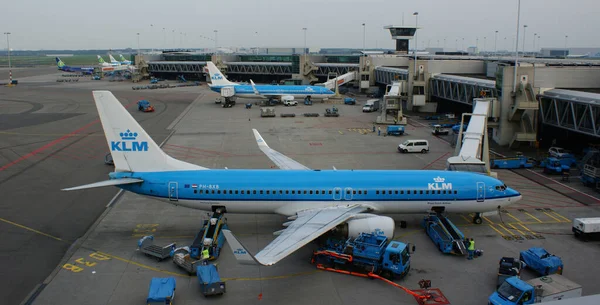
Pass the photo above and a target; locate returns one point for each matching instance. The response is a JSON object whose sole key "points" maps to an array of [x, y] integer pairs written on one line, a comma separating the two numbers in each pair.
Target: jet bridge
{"points": [[338, 81], [472, 147]]}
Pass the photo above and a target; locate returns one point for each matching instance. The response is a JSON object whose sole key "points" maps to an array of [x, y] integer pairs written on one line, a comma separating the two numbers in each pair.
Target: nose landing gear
{"points": [[477, 219]]}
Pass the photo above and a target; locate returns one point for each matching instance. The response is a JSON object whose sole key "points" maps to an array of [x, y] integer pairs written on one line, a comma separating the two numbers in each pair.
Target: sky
{"points": [[77, 24]]}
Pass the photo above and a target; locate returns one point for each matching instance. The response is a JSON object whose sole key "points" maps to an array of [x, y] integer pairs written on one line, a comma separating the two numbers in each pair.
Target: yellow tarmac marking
{"points": [[501, 234], [557, 220], [533, 217], [30, 229], [565, 218], [505, 229], [524, 227], [516, 229], [515, 218], [340, 132], [467, 219], [487, 220]]}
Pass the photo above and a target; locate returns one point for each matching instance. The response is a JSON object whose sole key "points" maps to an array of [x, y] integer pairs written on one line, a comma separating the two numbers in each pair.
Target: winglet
{"points": [[239, 251], [254, 88], [259, 140]]}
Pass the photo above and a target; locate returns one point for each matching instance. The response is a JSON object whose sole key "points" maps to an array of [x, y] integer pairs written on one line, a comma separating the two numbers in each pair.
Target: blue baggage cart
{"points": [[210, 282], [162, 291]]}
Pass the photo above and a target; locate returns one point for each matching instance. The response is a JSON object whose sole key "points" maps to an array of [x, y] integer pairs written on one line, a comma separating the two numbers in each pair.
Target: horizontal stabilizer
{"points": [[111, 182], [239, 251]]}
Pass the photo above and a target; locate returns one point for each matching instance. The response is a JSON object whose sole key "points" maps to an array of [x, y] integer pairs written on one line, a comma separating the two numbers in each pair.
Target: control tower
{"points": [[402, 34]]}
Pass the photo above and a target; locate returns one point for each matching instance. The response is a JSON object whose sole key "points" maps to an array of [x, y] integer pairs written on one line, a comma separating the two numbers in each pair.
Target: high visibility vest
{"points": [[205, 254], [471, 246]]}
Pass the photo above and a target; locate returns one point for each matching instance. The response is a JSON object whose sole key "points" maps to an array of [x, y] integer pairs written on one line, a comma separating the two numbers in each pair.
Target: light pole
{"points": [[484, 42], [173, 35], [534, 36], [462, 44], [364, 35], [524, 36], [164, 38], [9, 65], [256, 33], [566, 38], [456, 44], [138, 39], [517, 48], [416, 14], [477, 44], [496, 43], [304, 51], [216, 43], [444, 47], [539, 43]]}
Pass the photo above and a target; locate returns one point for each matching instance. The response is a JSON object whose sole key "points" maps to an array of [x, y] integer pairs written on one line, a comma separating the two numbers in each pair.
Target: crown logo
{"points": [[439, 179], [128, 135]]}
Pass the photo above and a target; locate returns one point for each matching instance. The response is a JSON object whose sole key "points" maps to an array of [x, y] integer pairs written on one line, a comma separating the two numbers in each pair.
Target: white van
{"points": [[371, 105], [421, 146]]}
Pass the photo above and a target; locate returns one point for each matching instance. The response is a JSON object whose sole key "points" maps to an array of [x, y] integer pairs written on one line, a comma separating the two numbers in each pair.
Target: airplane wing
{"points": [[278, 158], [308, 226], [254, 88]]}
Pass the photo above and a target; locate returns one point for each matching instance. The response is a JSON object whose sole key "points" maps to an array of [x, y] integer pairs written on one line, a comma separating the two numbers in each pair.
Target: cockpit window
{"points": [[501, 188]]}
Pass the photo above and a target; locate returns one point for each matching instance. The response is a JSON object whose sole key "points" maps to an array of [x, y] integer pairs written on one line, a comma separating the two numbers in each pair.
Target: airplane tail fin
{"points": [[112, 59], [122, 58], [100, 59], [216, 77], [59, 63], [132, 149]]}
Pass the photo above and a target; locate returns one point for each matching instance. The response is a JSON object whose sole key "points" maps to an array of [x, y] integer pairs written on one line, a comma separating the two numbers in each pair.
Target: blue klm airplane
{"points": [[83, 70], [316, 201], [220, 83]]}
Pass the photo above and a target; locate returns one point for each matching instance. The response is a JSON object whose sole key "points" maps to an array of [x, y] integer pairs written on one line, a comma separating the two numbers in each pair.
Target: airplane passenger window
{"points": [[248, 192], [304, 192], [426, 192], [236, 192], [365, 192], [401, 192], [360, 192], [389, 192], [455, 192], [396, 192], [444, 192], [348, 192], [287, 192], [337, 191], [408, 192], [310, 192], [281, 192], [439, 192], [230, 192], [421, 192], [195, 191], [377, 192], [242, 192], [293, 192], [354, 192], [200, 191], [254, 192], [323, 192], [219, 192], [274, 192], [213, 191], [330, 192], [267, 192]]}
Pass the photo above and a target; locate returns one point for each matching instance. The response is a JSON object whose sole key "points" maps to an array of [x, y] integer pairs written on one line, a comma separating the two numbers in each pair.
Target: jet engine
{"points": [[367, 223]]}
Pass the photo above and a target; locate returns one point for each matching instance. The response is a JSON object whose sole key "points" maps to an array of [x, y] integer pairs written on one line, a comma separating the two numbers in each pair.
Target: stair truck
{"points": [[444, 234], [365, 254], [542, 289]]}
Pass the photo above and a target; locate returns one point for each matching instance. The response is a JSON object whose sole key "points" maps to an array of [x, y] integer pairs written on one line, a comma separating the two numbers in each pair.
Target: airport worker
{"points": [[395, 121], [205, 254], [471, 248], [379, 130], [373, 127]]}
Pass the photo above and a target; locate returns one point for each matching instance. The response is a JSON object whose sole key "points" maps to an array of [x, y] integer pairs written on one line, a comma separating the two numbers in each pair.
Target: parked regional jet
{"points": [[316, 201], [105, 64], [219, 82], [83, 70], [124, 61]]}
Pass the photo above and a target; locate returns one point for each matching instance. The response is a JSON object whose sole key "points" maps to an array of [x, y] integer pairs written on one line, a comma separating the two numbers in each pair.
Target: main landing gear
{"points": [[477, 219]]}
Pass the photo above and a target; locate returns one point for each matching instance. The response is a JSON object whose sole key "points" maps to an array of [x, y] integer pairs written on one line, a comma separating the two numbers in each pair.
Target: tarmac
{"points": [[100, 263]]}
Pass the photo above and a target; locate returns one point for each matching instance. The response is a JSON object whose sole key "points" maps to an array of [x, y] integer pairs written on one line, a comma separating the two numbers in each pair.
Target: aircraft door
{"points": [[173, 191], [480, 191], [337, 193], [348, 193]]}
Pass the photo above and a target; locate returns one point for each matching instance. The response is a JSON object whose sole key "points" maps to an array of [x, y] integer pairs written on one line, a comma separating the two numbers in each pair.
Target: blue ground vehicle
{"points": [[307, 101], [365, 254], [144, 105], [544, 289], [154, 81], [519, 161], [161, 291], [447, 237], [456, 128], [590, 176], [210, 281], [350, 101], [395, 130], [554, 166], [542, 262]]}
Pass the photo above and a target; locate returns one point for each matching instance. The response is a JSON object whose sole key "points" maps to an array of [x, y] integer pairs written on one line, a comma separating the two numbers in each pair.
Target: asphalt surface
{"points": [[50, 138], [106, 268]]}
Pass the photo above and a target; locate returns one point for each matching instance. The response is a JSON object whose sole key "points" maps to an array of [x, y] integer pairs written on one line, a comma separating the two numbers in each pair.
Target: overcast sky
{"points": [[77, 24]]}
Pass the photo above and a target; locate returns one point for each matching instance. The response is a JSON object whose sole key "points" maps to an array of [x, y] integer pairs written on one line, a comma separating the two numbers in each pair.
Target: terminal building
{"points": [[550, 99]]}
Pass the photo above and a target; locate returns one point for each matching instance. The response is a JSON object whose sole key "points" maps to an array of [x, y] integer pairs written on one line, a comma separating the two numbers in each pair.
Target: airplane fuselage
{"points": [[286, 192], [265, 91]]}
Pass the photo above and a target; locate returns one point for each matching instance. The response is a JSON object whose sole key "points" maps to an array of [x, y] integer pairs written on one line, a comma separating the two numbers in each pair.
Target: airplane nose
{"points": [[514, 193]]}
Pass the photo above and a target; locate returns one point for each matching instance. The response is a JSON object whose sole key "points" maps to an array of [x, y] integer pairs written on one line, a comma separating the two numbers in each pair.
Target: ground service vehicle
{"points": [[267, 112], [586, 227], [146, 245], [395, 130], [543, 289], [144, 105], [554, 166], [350, 101], [444, 234], [333, 112], [161, 291], [367, 253], [558, 152], [210, 281], [519, 161], [540, 261], [439, 130], [290, 102], [371, 105], [508, 267], [590, 175], [421, 146]]}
